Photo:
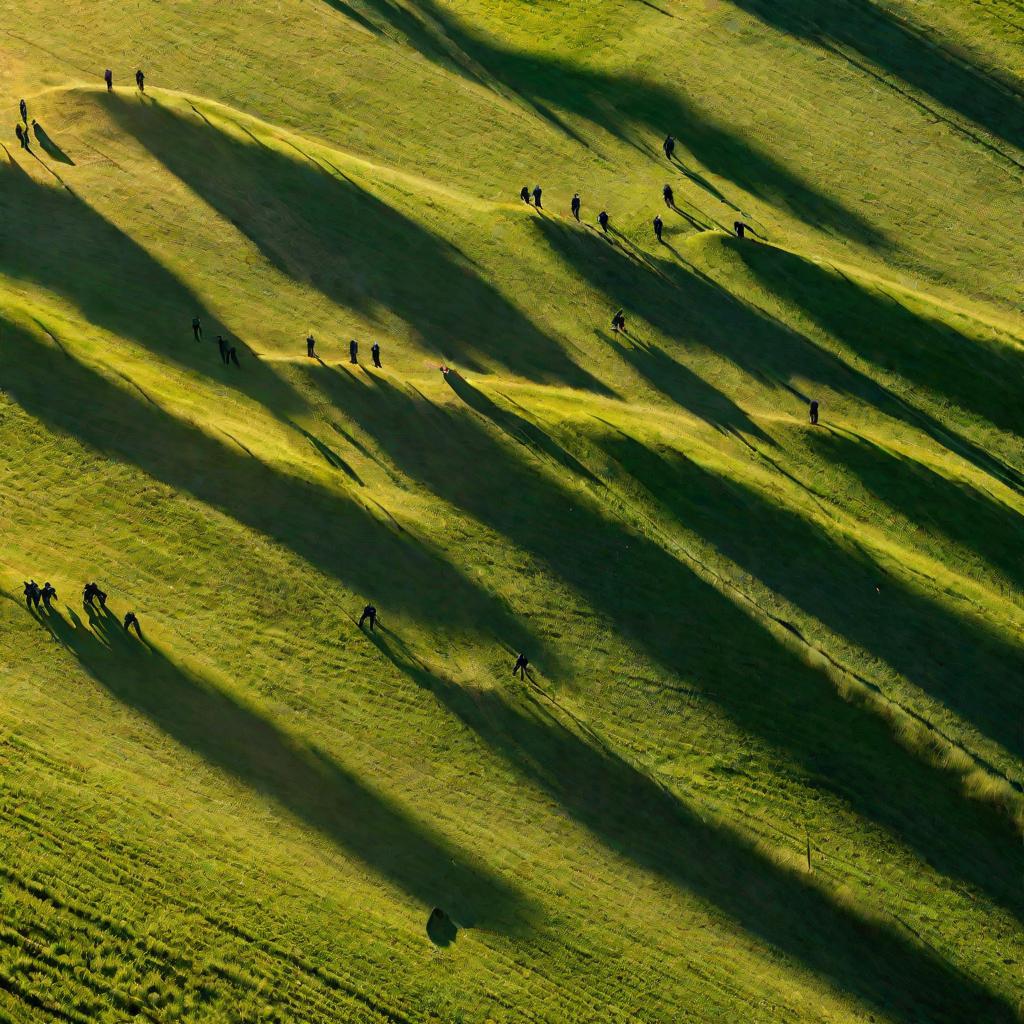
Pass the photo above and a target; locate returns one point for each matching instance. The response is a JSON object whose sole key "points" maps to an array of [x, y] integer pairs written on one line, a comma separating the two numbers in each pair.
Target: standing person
{"points": [[669, 145], [375, 352], [108, 77], [353, 351], [197, 328], [232, 356], [520, 666], [23, 107], [140, 80], [658, 226], [524, 194], [22, 134], [740, 228], [49, 594], [536, 196], [602, 219], [369, 612], [575, 205], [618, 321], [311, 346], [88, 593], [31, 592], [131, 620], [223, 346], [814, 414], [670, 199]]}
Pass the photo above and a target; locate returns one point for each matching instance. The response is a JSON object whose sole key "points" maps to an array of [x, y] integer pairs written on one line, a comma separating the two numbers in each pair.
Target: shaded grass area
{"points": [[641, 820], [317, 225], [301, 778], [662, 607]]}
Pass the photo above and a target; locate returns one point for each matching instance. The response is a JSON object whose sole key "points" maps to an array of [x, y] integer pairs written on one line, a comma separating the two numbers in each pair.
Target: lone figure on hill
{"points": [[658, 226], [536, 196], [140, 80], [353, 351], [575, 205], [197, 328], [524, 194], [108, 77], [375, 353], [369, 612], [669, 145], [618, 322], [23, 107], [520, 666], [814, 414], [602, 219], [131, 621], [311, 346], [668, 196], [48, 594]]}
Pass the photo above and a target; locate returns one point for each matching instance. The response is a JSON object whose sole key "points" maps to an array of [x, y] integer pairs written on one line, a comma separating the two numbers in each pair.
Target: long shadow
{"points": [[979, 375], [966, 667], [59, 242], [689, 628], [643, 821], [962, 513], [620, 103], [333, 533], [899, 48], [301, 778], [49, 146], [687, 305], [317, 226]]}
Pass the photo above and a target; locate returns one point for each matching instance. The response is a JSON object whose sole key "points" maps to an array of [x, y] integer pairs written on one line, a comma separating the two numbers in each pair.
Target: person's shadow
{"points": [[49, 146]]}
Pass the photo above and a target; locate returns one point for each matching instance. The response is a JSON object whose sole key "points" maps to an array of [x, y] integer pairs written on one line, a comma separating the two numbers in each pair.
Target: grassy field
{"points": [[769, 762]]}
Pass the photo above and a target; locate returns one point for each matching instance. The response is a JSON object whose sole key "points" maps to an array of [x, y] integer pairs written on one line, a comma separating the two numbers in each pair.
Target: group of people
{"points": [[91, 593], [353, 351], [140, 80], [228, 352], [21, 128]]}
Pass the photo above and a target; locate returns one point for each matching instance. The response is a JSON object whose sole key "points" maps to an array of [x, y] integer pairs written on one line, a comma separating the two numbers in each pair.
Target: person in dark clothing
{"points": [[197, 328], [23, 107], [369, 612], [618, 321], [658, 225], [31, 593], [814, 414], [311, 346], [524, 194], [668, 196], [375, 353], [49, 594], [353, 351], [602, 219], [131, 621], [575, 205], [536, 196], [740, 228], [520, 666], [669, 145], [108, 77], [22, 134], [88, 593], [140, 80], [232, 356], [223, 346]]}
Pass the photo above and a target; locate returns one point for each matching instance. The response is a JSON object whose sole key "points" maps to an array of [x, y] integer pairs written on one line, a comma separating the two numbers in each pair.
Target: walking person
{"points": [[520, 666], [353, 352], [369, 612], [668, 196], [524, 194], [536, 196], [575, 205], [49, 594], [232, 356], [618, 322], [197, 328], [814, 414], [23, 108], [658, 226], [140, 80], [22, 134], [375, 353], [602, 219], [131, 621], [222, 345], [31, 593], [669, 145], [88, 593], [108, 77], [311, 346]]}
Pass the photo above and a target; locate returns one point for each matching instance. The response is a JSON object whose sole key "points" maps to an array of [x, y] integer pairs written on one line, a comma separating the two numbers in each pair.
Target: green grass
{"points": [[769, 763]]}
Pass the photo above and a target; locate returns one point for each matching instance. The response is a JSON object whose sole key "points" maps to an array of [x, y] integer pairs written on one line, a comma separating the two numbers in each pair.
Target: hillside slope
{"points": [[768, 764]]}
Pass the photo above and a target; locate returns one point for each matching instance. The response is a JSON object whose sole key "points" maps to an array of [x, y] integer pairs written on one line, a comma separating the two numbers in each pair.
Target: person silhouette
{"points": [[197, 328], [311, 346], [31, 593], [140, 80], [658, 226], [375, 353], [524, 194], [520, 666], [108, 77], [536, 196], [23, 108], [814, 414], [602, 219], [353, 351], [575, 205], [369, 612], [223, 346], [131, 621], [668, 196], [669, 145], [49, 594]]}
